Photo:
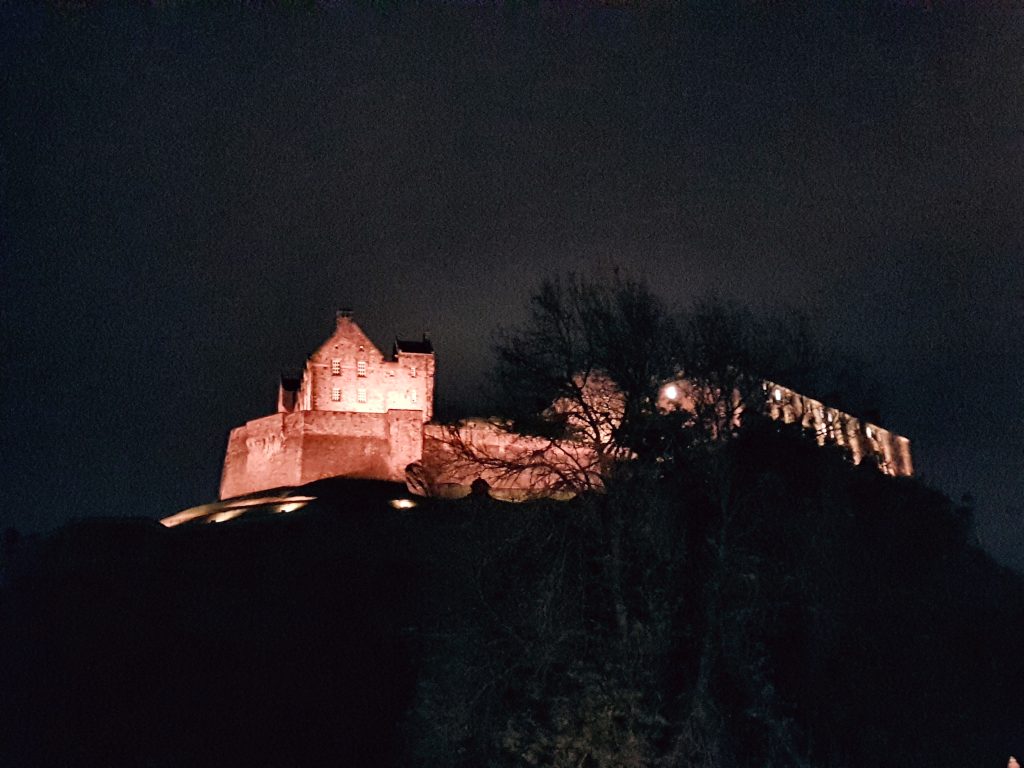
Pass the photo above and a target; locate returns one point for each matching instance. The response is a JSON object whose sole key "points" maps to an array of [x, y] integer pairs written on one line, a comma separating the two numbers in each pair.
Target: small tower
{"points": [[415, 361]]}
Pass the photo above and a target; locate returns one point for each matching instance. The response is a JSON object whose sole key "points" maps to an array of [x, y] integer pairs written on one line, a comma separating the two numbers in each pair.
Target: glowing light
{"points": [[403, 503], [223, 517], [221, 511], [185, 515], [671, 392], [778, 395], [291, 506]]}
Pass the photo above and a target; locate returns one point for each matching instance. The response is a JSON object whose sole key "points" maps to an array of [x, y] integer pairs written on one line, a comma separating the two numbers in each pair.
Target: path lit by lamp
{"points": [[223, 517], [292, 506], [222, 511]]}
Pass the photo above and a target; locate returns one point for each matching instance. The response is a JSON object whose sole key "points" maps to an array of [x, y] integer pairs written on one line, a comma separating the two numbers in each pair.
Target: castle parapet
{"points": [[292, 449]]}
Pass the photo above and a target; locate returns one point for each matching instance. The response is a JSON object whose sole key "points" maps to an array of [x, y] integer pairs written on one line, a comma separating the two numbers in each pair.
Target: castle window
{"points": [[361, 395], [336, 394], [412, 371], [412, 395], [336, 366], [361, 368]]}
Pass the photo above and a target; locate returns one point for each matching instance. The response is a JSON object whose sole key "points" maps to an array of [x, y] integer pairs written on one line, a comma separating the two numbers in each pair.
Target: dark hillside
{"points": [[260, 642], [760, 603]]}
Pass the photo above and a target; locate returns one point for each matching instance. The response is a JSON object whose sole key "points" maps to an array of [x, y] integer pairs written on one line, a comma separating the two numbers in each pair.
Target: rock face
{"points": [[416, 479]]}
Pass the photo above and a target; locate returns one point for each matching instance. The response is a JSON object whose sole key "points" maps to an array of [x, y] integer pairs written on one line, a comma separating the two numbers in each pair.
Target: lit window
{"points": [[778, 395], [412, 395], [361, 395], [361, 368], [336, 394], [412, 371], [335, 366]]}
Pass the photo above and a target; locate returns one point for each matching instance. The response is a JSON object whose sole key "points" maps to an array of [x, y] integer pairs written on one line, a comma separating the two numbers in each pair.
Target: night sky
{"points": [[188, 195]]}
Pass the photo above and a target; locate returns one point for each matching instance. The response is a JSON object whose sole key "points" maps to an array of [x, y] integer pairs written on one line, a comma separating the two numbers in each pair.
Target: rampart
{"points": [[290, 449]]}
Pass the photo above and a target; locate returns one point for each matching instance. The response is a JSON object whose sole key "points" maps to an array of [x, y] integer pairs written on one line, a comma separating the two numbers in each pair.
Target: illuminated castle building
{"points": [[862, 439], [354, 412]]}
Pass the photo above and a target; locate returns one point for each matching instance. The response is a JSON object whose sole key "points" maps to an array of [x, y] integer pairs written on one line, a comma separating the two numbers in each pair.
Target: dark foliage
{"points": [[273, 642], [782, 608], [773, 606]]}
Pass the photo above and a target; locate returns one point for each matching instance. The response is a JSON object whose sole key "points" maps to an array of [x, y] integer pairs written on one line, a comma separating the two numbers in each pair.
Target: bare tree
{"points": [[587, 364]]}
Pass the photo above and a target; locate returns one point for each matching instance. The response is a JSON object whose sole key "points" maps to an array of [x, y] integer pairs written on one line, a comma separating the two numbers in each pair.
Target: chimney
{"points": [[343, 314], [426, 335]]}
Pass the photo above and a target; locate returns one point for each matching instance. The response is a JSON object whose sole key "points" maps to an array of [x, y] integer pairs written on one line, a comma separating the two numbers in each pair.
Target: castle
{"points": [[354, 412]]}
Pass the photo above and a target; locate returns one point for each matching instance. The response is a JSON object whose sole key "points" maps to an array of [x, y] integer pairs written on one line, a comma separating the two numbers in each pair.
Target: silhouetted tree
{"points": [[587, 363], [723, 601]]}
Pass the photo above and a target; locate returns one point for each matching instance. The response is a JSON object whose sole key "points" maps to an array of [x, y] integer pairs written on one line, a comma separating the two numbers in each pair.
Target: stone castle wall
{"points": [[265, 448], [290, 449]]}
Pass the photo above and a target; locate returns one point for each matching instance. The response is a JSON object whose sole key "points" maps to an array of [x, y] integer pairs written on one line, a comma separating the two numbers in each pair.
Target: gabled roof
{"points": [[423, 347], [346, 330]]}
